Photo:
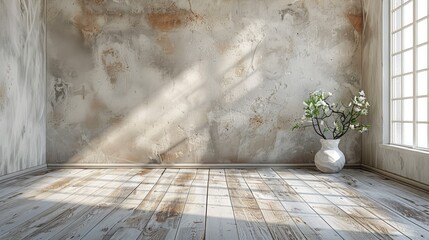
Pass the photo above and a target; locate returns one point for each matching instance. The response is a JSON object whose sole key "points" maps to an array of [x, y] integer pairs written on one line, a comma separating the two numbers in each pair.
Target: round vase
{"points": [[329, 159]]}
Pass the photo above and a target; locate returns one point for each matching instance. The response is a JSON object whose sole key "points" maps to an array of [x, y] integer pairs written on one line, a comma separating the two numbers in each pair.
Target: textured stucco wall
{"points": [[409, 164], [22, 85], [210, 81]]}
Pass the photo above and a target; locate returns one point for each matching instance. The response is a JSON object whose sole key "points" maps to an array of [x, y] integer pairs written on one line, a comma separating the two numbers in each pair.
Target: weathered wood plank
{"points": [[192, 223], [165, 220], [35, 220], [250, 220], [414, 214], [376, 226], [92, 216], [25, 208], [278, 220], [220, 216], [125, 209], [418, 196], [349, 187], [54, 220], [397, 191], [309, 223], [29, 186], [140, 216]]}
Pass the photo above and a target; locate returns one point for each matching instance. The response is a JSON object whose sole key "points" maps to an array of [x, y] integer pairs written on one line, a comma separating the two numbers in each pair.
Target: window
{"points": [[409, 73]]}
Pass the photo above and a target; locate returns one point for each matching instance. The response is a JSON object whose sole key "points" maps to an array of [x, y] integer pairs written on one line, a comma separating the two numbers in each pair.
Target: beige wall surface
{"points": [[22, 85], [406, 163], [210, 81]]}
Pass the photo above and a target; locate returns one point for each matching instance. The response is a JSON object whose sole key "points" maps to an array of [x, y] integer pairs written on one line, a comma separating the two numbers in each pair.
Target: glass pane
{"points": [[422, 8], [422, 135], [396, 133], [408, 37], [407, 85], [422, 109], [408, 61], [396, 19], [396, 66], [396, 91], [407, 110], [422, 81], [422, 31], [422, 57], [408, 13], [408, 134], [396, 3], [396, 42], [396, 110]]}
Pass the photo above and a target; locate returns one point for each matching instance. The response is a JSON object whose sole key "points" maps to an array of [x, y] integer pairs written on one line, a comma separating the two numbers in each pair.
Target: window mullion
{"points": [[415, 37]]}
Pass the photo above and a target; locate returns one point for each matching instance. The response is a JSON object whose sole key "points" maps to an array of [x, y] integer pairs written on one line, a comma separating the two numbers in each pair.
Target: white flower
{"points": [[352, 126], [362, 93], [367, 104], [357, 109], [364, 111], [361, 98]]}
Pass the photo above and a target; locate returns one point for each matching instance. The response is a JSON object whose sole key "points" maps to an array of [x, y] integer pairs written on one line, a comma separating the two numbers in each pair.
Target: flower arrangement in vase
{"points": [[331, 121]]}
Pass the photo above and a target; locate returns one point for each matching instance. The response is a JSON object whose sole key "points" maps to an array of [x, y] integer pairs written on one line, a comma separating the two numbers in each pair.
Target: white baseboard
{"points": [[22, 172], [398, 178], [185, 165]]}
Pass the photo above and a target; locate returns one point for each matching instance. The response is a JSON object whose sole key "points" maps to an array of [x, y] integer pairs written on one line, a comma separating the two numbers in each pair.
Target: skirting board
{"points": [[22, 172], [185, 165], [398, 178]]}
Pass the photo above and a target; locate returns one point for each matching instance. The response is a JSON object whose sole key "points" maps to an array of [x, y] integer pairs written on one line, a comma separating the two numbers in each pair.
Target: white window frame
{"points": [[388, 47]]}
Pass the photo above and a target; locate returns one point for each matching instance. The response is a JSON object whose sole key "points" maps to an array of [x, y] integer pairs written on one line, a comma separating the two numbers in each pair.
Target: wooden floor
{"points": [[210, 204]]}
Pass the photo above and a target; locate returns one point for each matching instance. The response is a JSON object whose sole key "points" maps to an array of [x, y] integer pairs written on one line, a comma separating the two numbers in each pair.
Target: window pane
{"points": [[407, 110], [408, 61], [408, 13], [396, 91], [396, 21], [422, 8], [422, 109], [422, 31], [396, 64], [397, 133], [408, 134], [396, 108], [396, 3], [422, 131], [422, 57], [396, 42], [422, 81], [407, 85], [408, 37]]}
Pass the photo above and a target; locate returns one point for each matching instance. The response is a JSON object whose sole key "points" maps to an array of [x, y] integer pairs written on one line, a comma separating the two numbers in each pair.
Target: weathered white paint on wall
{"points": [[195, 81], [412, 165], [22, 85]]}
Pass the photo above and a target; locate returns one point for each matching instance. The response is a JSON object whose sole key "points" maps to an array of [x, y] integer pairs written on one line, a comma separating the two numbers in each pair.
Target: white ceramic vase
{"points": [[329, 159]]}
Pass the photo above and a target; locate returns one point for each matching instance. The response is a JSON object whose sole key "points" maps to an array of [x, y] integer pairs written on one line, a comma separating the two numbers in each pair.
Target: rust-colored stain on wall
{"points": [[170, 18], [112, 64], [256, 120], [165, 43], [357, 21], [2, 95], [87, 25]]}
